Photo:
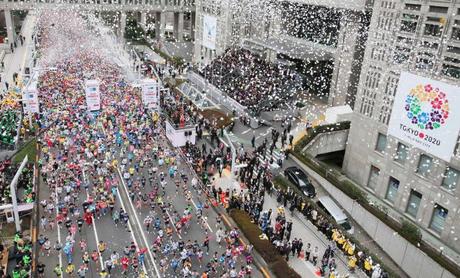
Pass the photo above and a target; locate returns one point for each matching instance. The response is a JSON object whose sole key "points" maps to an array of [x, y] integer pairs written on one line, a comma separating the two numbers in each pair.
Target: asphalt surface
{"points": [[118, 236]]}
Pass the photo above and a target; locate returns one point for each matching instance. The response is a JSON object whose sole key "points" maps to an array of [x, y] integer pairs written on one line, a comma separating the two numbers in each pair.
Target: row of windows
{"points": [[388, 4], [370, 92], [439, 214], [433, 27], [431, 8], [367, 104], [388, 98], [119, 2], [212, 7], [378, 52], [425, 163], [385, 21]]}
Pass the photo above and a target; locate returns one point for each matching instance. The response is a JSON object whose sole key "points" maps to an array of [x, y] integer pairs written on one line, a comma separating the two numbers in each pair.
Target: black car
{"points": [[300, 179]]}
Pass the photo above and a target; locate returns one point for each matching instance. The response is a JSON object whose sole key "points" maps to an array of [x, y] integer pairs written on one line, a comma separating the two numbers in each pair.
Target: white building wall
{"points": [[389, 51]]}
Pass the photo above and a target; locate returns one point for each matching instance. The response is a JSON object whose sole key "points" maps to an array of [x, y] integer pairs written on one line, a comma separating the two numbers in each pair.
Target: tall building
{"points": [[221, 24], [413, 49], [322, 40]]}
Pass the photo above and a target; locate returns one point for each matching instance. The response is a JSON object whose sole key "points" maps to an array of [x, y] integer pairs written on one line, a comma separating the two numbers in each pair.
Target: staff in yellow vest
{"points": [[351, 249], [352, 263], [368, 265], [335, 235]]}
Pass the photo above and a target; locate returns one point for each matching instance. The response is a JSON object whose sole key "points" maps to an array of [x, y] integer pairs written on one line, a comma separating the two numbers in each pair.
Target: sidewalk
{"points": [[16, 62], [359, 234], [302, 229]]}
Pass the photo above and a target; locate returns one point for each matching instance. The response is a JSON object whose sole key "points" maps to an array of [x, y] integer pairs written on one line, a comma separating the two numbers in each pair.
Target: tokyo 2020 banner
{"points": [[426, 114]]}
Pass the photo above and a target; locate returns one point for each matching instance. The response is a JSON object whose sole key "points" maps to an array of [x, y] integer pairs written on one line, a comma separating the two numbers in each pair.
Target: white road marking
{"points": [[223, 141], [209, 227], [246, 131], [138, 222], [264, 134], [130, 228], [58, 230], [129, 224], [94, 224], [172, 222]]}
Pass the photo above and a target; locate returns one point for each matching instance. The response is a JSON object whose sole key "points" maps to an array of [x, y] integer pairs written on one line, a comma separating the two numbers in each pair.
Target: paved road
{"points": [[117, 237], [82, 148]]}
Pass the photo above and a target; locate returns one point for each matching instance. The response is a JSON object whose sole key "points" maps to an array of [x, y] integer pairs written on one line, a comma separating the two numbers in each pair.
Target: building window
{"points": [[431, 45], [412, 7], [401, 54], [424, 165], [401, 153], [438, 219], [450, 178], [424, 63], [392, 190], [438, 9], [453, 49], [414, 203], [451, 71], [432, 30], [410, 16], [451, 60], [381, 143], [456, 33], [408, 26], [373, 177]]}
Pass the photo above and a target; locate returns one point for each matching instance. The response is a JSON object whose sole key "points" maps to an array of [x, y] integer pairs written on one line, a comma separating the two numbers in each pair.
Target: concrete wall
{"points": [[327, 143], [411, 259], [360, 155]]}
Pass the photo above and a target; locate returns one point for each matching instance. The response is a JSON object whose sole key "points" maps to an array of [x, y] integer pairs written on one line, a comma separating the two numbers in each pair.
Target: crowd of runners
{"points": [[94, 165]]}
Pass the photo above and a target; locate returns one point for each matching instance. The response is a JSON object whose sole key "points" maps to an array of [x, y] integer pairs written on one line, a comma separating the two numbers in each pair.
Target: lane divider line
{"points": [[138, 222], [172, 223], [130, 228], [206, 221], [129, 222], [58, 231], [94, 224]]}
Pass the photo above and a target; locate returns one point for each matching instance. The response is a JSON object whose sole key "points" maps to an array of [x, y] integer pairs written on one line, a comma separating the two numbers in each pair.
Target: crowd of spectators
{"points": [[179, 110], [276, 228], [8, 128], [24, 186], [251, 80]]}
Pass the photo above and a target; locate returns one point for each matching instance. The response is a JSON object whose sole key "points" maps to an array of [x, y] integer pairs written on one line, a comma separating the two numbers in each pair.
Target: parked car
{"points": [[331, 208], [300, 180]]}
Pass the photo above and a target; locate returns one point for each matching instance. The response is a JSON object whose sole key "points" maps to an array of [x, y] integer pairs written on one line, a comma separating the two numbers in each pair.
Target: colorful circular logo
{"points": [[427, 107]]}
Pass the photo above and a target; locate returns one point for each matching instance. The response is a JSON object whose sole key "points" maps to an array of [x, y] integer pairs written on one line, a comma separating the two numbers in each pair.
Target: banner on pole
{"points": [[150, 95], [30, 97], [93, 97]]}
